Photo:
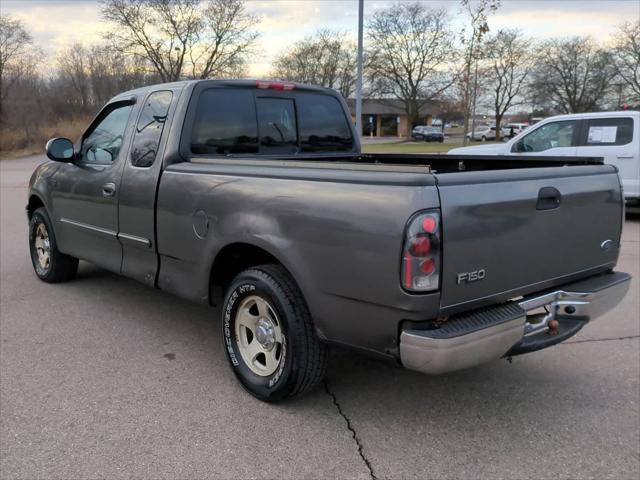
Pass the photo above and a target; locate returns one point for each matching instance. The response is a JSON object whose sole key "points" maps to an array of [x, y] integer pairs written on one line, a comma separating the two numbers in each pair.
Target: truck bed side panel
{"points": [[339, 235]]}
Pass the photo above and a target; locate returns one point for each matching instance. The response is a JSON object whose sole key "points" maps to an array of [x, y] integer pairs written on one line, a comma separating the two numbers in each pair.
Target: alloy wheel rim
{"points": [[258, 334], [42, 246]]}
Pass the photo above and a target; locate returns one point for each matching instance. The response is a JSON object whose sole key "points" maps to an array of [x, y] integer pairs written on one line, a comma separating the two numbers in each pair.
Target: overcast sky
{"points": [[55, 24]]}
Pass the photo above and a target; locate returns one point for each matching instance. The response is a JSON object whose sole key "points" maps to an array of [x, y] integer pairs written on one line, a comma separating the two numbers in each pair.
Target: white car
{"points": [[483, 133], [615, 136], [505, 130]]}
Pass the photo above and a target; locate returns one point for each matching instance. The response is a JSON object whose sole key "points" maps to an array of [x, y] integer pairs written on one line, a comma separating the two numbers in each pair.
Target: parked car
{"points": [[483, 133], [510, 130], [255, 196], [614, 136], [428, 134]]}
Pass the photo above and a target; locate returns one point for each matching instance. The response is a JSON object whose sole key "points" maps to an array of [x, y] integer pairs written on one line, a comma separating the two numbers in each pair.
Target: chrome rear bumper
{"points": [[478, 337]]}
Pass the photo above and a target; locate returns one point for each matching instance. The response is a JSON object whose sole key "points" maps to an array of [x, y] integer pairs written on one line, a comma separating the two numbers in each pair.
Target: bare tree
{"points": [[450, 108], [327, 59], [73, 70], [626, 55], [410, 55], [180, 38], [111, 72], [508, 66], [108, 70], [16, 54], [225, 41], [85, 78], [471, 38], [159, 31], [572, 75]]}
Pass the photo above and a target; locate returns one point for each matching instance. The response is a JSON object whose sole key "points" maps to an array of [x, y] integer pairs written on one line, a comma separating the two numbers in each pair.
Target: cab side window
{"points": [[225, 123], [607, 131], [149, 129], [551, 135], [323, 125], [102, 144]]}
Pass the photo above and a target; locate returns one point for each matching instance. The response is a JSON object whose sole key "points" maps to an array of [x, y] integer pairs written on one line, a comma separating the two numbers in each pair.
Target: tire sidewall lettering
{"points": [[238, 293]]}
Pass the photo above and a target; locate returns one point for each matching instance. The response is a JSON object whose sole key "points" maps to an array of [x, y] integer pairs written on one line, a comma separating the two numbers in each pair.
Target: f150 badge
{"points": [[468, 277]]}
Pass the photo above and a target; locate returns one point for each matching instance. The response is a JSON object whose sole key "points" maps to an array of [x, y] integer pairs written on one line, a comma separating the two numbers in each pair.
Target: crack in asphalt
{"points": [[601, 339], [352, 430]]}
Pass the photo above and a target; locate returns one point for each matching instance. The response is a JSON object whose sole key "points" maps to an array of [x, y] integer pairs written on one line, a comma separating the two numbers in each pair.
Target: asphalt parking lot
{"points": [[103, 377]]}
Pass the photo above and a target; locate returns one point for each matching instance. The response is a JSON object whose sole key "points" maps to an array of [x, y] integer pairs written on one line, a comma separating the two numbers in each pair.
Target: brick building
{"points": [[386, 117]]}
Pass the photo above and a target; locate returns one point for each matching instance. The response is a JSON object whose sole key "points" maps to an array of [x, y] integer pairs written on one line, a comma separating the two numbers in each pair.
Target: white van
{"points": [[612, 135]]}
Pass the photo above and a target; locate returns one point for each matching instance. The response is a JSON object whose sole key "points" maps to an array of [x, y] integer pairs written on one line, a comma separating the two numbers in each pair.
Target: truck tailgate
{"points": [[511, 232]]}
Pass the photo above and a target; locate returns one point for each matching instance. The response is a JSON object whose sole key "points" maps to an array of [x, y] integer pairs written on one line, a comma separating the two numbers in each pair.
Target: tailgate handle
{"points": [[548, 198]]}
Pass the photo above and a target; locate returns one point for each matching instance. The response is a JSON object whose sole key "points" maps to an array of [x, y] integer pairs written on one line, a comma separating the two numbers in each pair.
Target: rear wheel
{"points": [[48, 262], [484, 138], [269, 336]]}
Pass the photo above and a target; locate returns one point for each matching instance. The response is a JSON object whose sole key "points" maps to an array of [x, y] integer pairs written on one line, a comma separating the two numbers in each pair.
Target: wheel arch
{"points": [[235, 257], [33, 204]]}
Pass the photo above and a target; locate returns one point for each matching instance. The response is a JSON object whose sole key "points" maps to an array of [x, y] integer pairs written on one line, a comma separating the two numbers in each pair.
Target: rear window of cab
{"points": [[235, 121]]}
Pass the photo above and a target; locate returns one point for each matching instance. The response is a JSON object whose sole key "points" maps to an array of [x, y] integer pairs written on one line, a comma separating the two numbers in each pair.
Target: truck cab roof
{"points": [[574, 116], [245, 83]]}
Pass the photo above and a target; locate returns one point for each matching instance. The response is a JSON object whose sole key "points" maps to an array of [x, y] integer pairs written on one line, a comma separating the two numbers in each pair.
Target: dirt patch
{"points": [[16, 143]]}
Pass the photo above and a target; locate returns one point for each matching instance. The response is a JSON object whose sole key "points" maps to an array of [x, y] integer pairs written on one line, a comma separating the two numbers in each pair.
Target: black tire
{"points": [[484, 139], [303, 358], [60, 267]]}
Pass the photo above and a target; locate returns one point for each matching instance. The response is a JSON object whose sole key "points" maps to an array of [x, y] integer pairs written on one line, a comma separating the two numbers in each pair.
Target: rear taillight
{"points": [[421, 253]]}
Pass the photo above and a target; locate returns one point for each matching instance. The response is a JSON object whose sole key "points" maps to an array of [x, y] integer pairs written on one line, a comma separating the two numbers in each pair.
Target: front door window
{"points": [[102, 144], [551, 135]]}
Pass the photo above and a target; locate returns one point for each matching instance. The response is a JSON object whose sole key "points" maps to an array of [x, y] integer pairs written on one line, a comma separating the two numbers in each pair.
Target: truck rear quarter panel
{"points": [[339, 234]]}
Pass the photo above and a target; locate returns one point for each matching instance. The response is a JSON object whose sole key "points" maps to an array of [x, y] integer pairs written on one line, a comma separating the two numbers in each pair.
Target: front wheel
{"points": [[48, 262], [269, 336], [484, 138]]}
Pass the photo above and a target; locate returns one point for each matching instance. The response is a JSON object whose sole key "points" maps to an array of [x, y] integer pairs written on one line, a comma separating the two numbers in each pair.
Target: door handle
{"points": [[548, 198], [109, 189], [624, 155]]}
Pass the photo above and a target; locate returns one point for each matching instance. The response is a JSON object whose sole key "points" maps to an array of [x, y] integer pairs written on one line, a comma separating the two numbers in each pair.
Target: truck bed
{"points": [[411, 163], [496, 211], [456, 163]]}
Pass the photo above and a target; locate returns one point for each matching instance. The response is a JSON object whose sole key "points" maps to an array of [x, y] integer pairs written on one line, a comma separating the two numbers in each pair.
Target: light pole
{"points": [[359, 74]]}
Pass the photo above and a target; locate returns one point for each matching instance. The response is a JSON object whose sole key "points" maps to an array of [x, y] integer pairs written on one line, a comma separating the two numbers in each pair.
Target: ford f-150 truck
{"points": [[255, 196]]}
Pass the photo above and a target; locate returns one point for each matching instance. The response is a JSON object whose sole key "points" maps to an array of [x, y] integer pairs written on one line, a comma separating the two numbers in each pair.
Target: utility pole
{"points": [[475, 97], [359, 74]]}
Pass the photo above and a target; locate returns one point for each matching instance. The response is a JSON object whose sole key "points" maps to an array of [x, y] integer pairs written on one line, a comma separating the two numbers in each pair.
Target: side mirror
{"points": [[60, 149], [518, 147]]}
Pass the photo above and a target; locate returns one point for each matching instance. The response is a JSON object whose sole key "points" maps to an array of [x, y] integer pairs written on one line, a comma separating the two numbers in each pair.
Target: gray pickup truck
{"points": [[254, 195]]}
